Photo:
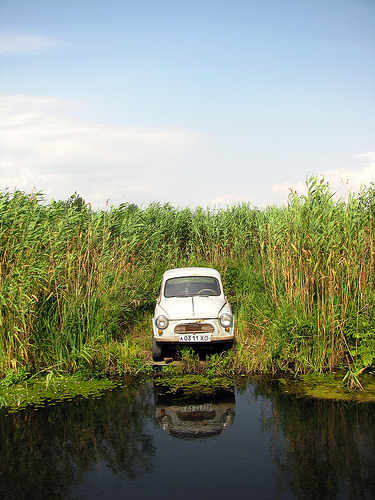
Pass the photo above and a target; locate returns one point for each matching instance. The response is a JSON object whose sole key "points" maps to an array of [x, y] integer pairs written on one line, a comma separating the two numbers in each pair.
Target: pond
{"points": [[145, 439]]}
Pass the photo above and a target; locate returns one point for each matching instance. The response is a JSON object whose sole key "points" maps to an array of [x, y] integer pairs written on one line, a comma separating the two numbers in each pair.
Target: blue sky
{"points": [[199, 102]]}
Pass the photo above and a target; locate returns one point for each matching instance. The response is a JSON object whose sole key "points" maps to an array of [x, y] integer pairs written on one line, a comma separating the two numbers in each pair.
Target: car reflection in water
{"points": [[195, 418]]}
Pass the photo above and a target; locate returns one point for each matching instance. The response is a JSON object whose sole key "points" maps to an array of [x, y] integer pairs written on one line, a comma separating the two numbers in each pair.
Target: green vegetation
{"points": [[39, 392], [193, 386], [331, 386], [78, 286]]}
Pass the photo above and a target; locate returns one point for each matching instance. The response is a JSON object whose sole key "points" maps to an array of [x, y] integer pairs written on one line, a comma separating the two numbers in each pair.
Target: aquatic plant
{"points": [[78, 286]]}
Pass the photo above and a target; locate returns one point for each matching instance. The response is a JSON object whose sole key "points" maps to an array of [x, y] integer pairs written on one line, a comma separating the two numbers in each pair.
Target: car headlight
{"points": [[162, 322], [226, 320]]}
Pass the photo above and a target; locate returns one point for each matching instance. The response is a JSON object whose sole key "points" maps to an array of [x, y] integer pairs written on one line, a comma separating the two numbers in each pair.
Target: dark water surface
{"points": [[250, 441]]}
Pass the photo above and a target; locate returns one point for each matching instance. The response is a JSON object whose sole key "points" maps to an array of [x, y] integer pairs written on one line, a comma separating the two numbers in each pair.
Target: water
{"points": [[249, 441]]}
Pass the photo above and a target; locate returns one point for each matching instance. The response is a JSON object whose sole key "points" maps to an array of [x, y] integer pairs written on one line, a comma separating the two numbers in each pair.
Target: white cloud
{"points": [[23, 44], [352, 178], [342, 181], [45, 148], [230, 199]]}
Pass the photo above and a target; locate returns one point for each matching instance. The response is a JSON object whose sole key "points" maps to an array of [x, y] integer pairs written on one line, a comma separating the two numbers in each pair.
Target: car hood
{"points": [[192, 307]]}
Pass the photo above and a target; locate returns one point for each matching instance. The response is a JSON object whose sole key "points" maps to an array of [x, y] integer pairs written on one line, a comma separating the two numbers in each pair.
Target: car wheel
{"points": [[157, 351]]}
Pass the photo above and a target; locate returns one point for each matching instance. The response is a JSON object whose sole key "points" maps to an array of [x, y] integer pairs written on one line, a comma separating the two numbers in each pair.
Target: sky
{"points": [[190, 102]]}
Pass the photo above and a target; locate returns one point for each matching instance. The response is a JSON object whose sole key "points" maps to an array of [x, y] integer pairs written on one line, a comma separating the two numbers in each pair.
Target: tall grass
{"points": [[321, 256], [77, 282]]}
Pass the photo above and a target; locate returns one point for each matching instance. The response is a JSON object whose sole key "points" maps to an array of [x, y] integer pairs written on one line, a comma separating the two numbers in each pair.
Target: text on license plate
{"points": [[195, 337], [192, 408]]}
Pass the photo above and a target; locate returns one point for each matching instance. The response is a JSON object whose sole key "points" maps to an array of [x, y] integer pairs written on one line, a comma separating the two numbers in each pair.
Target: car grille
{"points": [[196, 416], [194, 327]]}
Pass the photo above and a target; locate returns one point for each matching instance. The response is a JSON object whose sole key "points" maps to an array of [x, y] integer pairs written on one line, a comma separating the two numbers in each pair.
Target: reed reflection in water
{"points": [[251, 441]]}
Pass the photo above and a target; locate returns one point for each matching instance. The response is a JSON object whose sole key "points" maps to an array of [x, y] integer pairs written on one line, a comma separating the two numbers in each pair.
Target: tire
{"points": [[157, 351]]}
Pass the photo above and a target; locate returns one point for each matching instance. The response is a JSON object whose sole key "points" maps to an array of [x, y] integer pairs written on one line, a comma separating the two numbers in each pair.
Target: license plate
{"points": [[195, 337], [193, 408]]}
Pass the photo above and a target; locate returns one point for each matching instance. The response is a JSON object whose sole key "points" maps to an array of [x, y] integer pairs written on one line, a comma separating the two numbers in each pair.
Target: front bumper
{"points": [[214, 339], [213, 327]]}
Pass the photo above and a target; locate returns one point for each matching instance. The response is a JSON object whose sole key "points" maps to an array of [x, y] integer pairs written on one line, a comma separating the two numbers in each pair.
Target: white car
{"points": [[191, 310], [193, 420]]}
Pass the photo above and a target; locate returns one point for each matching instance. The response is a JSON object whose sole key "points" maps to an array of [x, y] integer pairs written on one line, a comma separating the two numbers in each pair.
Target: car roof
{"points": [[191, 271]]}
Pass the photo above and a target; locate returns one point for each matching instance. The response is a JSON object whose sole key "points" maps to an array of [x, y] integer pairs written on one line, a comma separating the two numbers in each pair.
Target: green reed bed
{"points": [[78, 286]]}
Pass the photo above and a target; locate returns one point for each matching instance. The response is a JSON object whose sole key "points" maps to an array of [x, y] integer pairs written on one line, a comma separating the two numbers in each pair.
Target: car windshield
{"points": [[188, 286]]}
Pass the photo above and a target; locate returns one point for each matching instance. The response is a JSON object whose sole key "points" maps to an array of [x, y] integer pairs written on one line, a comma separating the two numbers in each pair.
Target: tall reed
{"points": [[301, 277]]}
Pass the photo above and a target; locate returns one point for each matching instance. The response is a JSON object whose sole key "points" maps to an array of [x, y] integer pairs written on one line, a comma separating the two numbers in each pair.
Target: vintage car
{"points": [[191, 310], [194, 420]]}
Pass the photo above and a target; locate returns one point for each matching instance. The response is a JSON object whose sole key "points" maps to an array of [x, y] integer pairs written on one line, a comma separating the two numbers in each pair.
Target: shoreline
{"points": [[43, 391]]}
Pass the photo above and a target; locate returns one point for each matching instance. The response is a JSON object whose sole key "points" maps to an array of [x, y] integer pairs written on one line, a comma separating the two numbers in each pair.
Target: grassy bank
{"points": [[78, 286]]}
